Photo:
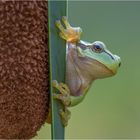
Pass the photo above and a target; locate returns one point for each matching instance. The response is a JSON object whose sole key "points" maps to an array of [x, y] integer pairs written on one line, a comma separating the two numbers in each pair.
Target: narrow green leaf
{"points": [[57, 48]]}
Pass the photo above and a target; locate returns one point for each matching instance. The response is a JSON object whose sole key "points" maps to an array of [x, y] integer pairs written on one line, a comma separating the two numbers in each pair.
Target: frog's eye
{"points": [[97, 48]]}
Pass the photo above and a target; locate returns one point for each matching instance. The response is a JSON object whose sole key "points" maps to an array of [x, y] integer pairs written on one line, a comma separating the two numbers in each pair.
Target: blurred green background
{"points": [[111, 109]]}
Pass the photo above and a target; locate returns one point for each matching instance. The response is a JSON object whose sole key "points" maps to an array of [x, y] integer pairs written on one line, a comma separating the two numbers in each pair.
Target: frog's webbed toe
{"points": [[69, 33], [65, 116], [64, 95]]}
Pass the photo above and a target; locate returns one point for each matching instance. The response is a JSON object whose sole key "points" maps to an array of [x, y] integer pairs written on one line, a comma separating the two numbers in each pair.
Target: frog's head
{"points": [[99, 61]]}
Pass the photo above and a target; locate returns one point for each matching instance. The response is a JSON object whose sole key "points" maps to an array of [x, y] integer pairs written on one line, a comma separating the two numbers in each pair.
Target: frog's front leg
{"points": [[69, 33]]}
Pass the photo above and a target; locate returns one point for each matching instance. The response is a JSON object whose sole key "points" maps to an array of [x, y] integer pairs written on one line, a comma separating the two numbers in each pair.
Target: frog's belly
{"points": [[23, 69], [72, 76]]}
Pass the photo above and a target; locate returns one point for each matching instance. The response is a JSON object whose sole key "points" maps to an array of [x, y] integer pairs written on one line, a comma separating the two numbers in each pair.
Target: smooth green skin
{"points": [[103, 57], [93, 65]]}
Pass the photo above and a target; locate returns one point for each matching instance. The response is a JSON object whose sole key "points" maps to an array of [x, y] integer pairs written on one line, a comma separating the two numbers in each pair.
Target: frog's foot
{"points": [[70, 34], [64, 95], [65, 116], [49, 118]]}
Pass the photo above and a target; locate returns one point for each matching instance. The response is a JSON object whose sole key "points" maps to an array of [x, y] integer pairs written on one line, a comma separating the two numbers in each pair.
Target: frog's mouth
{"points": [[100, 69], [110, 69], [112, 72], [95, 67]]}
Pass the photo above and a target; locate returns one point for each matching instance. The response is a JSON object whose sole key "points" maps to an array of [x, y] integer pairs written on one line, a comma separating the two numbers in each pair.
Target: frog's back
{"points": [[23, 68]]}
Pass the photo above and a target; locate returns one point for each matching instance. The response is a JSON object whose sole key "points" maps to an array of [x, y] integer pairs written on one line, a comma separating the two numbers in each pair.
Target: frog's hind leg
{"points": [[64, 97], [49, 118]]}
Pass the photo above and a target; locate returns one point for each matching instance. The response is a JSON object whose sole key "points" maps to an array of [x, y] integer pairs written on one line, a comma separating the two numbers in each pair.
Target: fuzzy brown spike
{"points": [[24, 68]]}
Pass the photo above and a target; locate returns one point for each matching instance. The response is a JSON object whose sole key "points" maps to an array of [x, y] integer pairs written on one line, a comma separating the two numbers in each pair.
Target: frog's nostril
{"points": [[119, 64]]}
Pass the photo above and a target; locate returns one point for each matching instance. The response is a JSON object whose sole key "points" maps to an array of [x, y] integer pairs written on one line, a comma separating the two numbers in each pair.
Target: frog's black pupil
{"points": [[97, 47]]}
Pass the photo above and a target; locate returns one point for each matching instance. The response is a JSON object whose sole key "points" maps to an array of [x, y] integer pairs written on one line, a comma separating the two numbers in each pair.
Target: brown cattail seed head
{"points": [[24, 68]]}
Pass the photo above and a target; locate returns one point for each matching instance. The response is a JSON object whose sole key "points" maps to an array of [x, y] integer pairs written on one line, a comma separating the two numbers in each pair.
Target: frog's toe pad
{"points": [[54, 83], [63, 88], [66, 100], [67, 32], [64, 95], [65, 116]]}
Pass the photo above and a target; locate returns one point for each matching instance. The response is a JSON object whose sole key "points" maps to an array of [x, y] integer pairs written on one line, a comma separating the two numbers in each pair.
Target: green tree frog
{"points": [[85, 62]]}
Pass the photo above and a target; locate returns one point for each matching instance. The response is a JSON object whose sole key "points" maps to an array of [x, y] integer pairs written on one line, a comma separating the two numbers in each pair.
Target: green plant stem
{"points": [[57, 51]]}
